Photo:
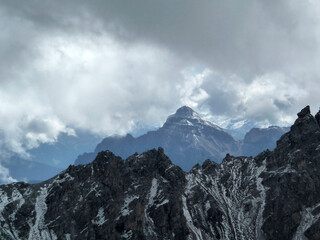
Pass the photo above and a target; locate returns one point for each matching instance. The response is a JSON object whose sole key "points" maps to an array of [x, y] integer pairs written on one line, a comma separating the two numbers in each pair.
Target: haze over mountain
{"points": [[65, 148], [46, 160], [16, 169], [187, 140], [275, 195]]}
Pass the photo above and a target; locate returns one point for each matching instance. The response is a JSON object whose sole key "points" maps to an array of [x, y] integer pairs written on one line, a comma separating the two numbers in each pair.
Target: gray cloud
{"points": [[109, 66], [251, 37]]}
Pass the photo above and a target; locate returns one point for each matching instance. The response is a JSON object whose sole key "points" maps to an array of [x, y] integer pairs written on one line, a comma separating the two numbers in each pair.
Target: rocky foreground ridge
{"points": [[275, 195]]}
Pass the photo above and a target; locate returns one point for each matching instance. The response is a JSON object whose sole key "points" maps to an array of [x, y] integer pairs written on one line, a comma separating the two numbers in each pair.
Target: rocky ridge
{"points": [[275, 195]]}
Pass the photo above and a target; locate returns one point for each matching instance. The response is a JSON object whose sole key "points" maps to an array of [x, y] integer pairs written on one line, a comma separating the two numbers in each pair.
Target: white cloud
{"points": [[5, 175], [89, 82], [191, 91], [105, 86], [109, 67], [273, 97]]}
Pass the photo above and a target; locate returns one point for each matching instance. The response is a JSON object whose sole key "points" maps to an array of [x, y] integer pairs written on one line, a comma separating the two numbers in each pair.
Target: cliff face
{"points": [[275, 195]]}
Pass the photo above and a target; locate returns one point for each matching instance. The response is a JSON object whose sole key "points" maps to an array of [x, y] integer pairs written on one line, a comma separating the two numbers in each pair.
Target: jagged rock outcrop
{"points": [[275, 195], [293, 182], [145, 197]]}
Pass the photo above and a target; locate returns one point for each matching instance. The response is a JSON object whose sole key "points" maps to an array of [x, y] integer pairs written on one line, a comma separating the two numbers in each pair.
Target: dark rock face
{"points": [[305, 111], [186, 138], [275, 195], [144, 197], [293, 180]]}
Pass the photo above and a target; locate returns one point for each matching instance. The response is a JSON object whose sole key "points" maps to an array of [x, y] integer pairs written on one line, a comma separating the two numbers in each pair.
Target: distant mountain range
{"points": [[62, 153], [188, 139], [275, 195], [27, 171], [237, 128], [260, 139], [48, 159]]}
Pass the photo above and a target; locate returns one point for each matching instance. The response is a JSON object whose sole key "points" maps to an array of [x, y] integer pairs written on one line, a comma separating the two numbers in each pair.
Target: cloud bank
{"points": [[110, 66]]}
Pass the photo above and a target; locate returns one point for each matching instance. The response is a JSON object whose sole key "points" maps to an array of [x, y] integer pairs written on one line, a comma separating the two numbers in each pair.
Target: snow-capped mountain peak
{"points": [[188, 117], [186, 137], [186, 112], [185, 115]]}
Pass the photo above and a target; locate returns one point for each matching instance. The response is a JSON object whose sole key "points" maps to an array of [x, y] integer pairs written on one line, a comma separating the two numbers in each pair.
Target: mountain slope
{"points": [[258, 139], [186, 138], [275, 195]]}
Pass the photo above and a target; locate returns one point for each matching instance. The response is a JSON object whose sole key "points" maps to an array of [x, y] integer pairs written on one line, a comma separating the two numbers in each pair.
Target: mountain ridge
{"points": [[185, 136], [188, 139], [275, 195]]}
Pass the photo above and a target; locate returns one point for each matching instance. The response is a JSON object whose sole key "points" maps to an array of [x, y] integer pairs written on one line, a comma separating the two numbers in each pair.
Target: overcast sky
{"points": [[110, 66]]}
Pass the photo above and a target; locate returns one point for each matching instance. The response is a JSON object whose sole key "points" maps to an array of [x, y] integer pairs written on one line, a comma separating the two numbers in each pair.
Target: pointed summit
{"points": [[303, 133], [185, 136], [186, 116], [305, 111], [186, 112]]}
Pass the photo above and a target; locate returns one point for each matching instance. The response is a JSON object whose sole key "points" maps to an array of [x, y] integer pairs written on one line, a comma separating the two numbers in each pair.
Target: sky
{"points": [[110, 67]]}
